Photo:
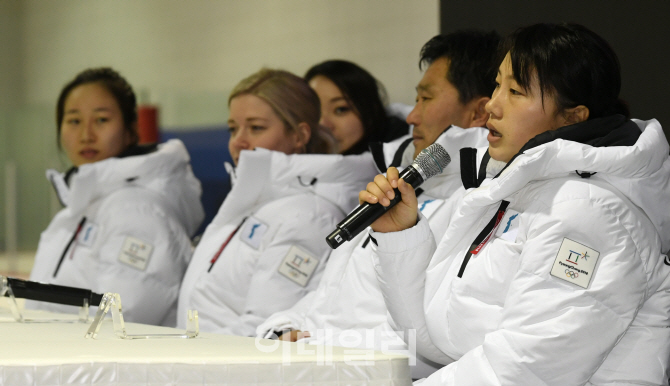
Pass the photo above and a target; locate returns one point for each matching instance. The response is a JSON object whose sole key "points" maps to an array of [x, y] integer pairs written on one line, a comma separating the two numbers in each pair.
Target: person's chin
{"points": [[493, 150], [497, 153], [79, 163], [98, 157], [419, 143]]}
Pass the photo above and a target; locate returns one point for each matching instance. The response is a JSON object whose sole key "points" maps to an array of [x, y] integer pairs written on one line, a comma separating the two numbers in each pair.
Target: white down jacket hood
{"points": [[641, 172], [263, 176], [151, 200], [568, 286], [281, 206], [166, 172]]}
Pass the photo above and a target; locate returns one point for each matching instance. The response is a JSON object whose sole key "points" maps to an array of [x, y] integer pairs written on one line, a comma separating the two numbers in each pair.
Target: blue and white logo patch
{"points": [[428, 207], [509, 226], [253, 232], [87, 235]]}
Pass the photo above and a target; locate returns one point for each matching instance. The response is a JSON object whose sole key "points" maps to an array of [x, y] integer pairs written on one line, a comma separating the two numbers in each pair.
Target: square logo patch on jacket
{"points": [[509, 226], [87, 234], [298, 266], [575, 263], [136, 253], [253, 231]]}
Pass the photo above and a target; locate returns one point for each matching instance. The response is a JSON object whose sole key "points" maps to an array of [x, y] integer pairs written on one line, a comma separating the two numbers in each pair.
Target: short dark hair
{"points": [[365, 94], [472, 58], [116, 85], [572, 63]]}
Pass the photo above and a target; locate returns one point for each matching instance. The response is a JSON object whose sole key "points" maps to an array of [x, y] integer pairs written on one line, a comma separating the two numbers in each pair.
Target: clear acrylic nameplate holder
{"points": [[6, 290], [112, 302]]}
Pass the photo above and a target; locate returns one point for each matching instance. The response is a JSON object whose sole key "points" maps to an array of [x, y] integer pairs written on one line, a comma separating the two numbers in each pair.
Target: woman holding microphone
{"points": [[552, 269]]}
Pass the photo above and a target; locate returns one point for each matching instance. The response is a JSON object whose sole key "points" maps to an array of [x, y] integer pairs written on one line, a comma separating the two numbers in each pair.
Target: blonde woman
{"points": [[265, 248]]}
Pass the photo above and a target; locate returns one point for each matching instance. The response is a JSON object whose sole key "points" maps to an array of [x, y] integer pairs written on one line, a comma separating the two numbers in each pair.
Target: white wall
{"points": [[187, 55]]}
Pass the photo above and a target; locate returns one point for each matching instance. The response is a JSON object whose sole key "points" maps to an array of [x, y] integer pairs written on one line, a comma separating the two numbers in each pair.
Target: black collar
{"points": [[614, 130], [470, 176]]}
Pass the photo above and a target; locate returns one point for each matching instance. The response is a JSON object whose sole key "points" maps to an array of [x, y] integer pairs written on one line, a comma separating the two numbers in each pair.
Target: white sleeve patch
{"points": [[575, 263], [87, 234], [135, 253], [428, 207], [509, 226], [298, 266], [253, 231]]}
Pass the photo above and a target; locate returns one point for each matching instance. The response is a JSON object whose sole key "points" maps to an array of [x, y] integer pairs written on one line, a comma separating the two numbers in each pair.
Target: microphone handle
{"points": [[366, 213], [52, 293]]}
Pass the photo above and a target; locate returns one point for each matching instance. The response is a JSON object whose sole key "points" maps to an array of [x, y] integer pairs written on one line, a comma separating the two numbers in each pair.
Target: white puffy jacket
{"points": [[283, 207], [347, 309], [571, 288], [139, 213]]}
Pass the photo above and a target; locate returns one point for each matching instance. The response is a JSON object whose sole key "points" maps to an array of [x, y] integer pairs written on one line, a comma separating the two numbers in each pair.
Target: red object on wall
{"points": [[147, 124]]}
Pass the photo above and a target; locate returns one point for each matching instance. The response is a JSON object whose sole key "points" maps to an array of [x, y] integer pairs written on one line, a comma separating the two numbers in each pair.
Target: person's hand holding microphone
{"points": [[385, 192]]}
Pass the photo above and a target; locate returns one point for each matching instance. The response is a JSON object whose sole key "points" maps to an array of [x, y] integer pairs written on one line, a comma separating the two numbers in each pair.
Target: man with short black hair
{"points": [[458, 82]]}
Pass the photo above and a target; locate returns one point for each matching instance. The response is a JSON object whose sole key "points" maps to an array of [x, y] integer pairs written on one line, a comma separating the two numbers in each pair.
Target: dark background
{"points": [[638, 30]]}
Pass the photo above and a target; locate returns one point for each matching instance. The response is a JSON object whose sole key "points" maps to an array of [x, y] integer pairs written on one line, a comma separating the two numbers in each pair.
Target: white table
{"points": [[58, 354]]}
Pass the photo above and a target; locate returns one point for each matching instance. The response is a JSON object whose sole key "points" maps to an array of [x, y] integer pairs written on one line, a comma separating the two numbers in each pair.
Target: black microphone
{"points": [[52, 293], [430, 162]]}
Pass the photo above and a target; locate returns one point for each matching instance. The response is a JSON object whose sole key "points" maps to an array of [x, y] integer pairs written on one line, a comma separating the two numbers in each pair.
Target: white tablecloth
{"points": [[58, 354]]}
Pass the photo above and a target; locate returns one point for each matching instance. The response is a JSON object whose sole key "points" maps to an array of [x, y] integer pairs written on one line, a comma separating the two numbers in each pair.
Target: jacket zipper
{"points": [[74, 237], [223, 246], [484, 236]]}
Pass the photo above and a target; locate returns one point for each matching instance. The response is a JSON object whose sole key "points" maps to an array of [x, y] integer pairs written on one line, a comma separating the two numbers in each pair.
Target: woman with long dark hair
{"points": [[352, 106], [552, 268]]}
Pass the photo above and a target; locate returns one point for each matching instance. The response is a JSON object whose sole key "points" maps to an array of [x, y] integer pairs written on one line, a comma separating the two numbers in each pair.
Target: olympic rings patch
{"points": [[575, 263]]}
